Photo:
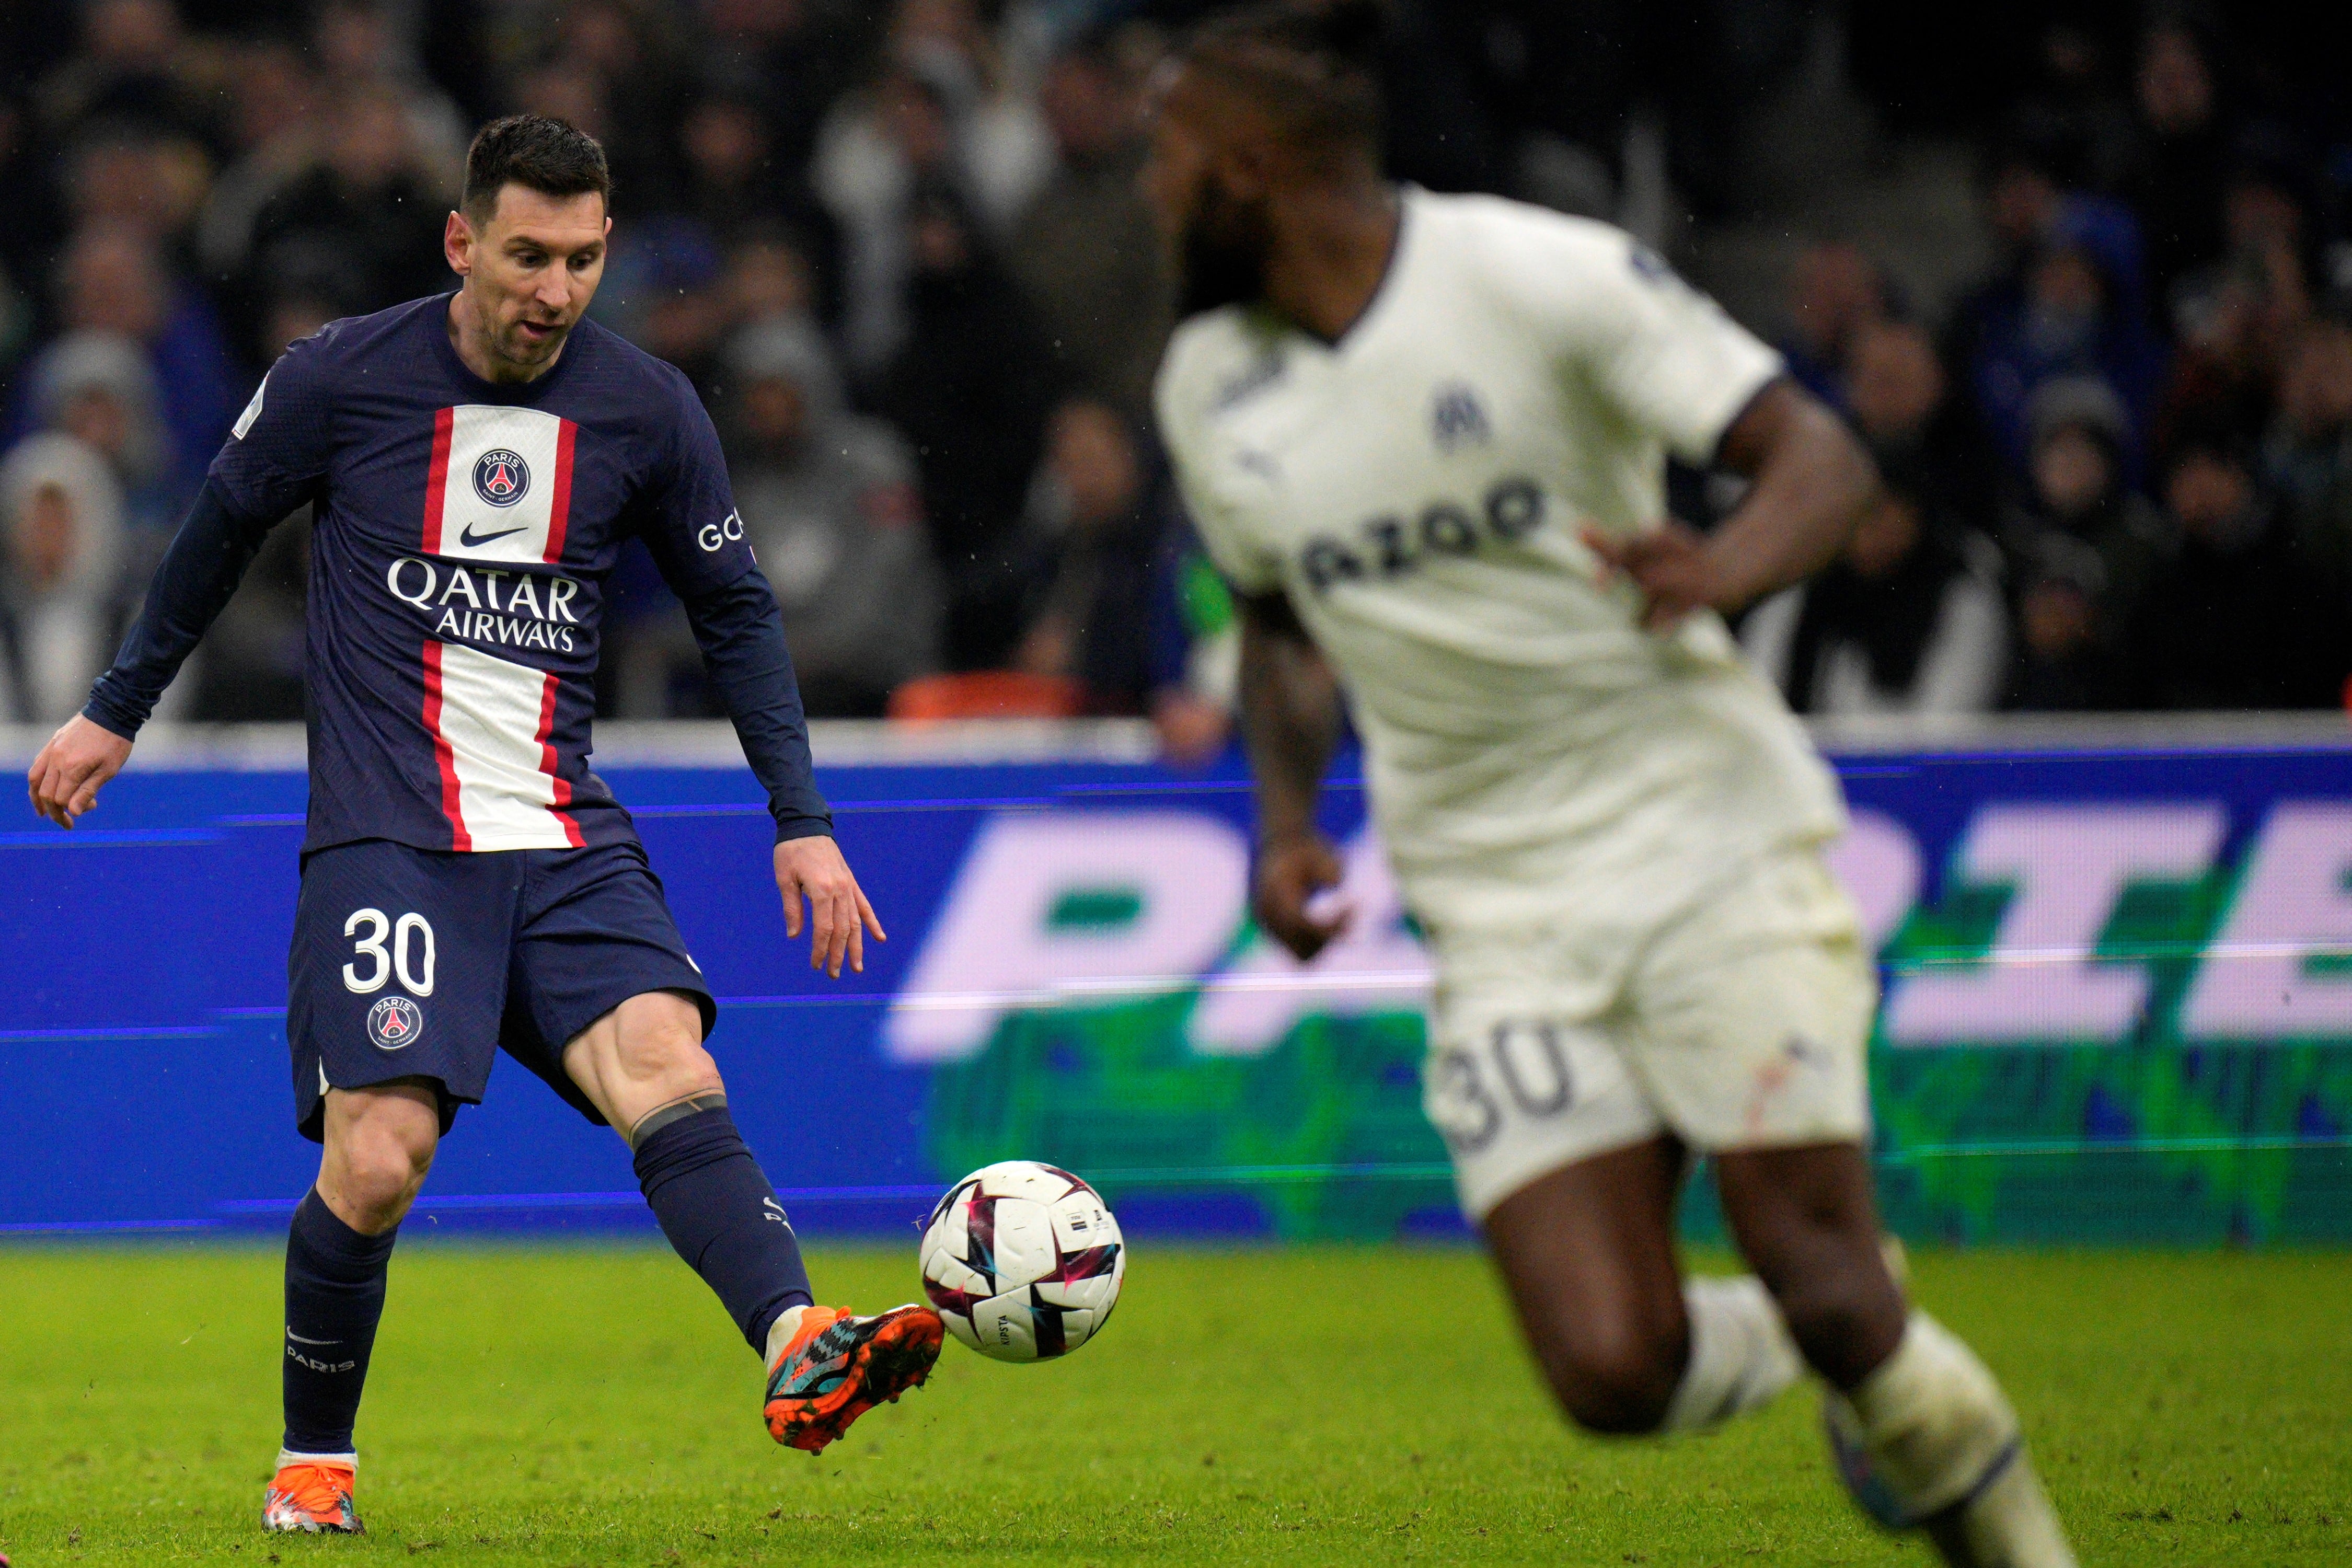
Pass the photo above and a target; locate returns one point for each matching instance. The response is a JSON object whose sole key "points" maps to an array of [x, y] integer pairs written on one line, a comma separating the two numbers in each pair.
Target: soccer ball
{"points": [[1023, 1260]]}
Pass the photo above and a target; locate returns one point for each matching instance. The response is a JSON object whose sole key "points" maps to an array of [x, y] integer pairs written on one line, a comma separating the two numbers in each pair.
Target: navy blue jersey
{"points": [[463, 532]]}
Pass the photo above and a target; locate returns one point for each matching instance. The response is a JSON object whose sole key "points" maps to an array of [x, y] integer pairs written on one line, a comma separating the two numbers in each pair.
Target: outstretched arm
{"points": [[1290, 721], [1812, 482], [197, 577], [741, 634]]}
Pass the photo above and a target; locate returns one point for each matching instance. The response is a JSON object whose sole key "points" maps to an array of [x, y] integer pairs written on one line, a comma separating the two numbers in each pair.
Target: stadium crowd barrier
{"points": [[2118, 958]]}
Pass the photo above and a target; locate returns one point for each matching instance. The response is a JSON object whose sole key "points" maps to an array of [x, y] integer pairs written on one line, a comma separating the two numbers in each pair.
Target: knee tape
{"points": [[654, 1121]]}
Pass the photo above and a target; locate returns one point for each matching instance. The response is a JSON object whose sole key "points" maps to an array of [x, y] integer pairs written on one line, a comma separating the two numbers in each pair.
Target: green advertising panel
{"points": [[2118, 1008]]}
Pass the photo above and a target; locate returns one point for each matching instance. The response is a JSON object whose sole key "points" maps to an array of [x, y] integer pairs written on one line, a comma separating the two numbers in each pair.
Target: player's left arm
{"points": [[1810, 484], [697, 539], [741, 631]]}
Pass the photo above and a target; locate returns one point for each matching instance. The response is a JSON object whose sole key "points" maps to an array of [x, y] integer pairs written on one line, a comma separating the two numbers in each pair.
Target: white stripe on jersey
{"points": [[490, 720], [500, 485]]}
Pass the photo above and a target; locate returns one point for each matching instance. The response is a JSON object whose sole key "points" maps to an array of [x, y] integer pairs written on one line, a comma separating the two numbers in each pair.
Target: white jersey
{"points": [[1417, 490]]}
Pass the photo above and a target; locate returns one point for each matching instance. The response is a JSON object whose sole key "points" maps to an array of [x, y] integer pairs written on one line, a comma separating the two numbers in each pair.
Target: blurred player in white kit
{"points": [[1424, 436]]}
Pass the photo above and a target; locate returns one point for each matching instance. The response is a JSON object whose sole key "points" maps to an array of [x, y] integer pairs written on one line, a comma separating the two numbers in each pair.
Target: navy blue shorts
{"points": [[425, 963]]}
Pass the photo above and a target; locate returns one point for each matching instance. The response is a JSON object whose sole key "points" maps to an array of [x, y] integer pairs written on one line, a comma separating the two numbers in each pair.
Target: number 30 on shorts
{"points": [[1519, 1065], [401, 958]]}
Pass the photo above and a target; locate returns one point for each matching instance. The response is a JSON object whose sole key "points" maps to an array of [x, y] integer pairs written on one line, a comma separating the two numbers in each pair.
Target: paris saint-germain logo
{"points": [[501, 477], [394, 1022]]}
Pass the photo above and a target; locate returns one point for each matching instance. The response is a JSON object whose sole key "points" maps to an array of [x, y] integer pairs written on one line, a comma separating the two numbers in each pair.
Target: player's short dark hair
{"points": [[1316, 70], [537, 151]]}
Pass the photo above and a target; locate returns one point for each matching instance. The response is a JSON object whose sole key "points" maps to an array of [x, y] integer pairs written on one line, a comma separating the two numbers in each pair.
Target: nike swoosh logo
{"points": [[300, 1341], [473, 541]]}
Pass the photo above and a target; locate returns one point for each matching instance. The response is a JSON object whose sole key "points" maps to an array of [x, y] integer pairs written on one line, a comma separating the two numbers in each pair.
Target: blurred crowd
{"points": [[2118, 469], [897, 245]]}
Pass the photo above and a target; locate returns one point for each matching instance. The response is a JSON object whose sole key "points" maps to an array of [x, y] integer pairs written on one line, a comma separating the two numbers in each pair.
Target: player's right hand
{"points": [[64, 779], [1291, 872]]}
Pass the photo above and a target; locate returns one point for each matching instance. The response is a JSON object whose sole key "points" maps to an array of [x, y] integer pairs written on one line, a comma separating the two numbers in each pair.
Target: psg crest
{"points": [[394, 1022], [501, 477]]}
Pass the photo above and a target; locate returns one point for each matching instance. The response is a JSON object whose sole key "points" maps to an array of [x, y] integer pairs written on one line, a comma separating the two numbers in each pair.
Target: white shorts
{"points": [[1743, 1024]]}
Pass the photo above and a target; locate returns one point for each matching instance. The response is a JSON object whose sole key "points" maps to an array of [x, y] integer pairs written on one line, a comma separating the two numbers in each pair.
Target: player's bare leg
{"points": [[1588, 1253], [380, 1142], [1918, 1414], [643, 1065]]}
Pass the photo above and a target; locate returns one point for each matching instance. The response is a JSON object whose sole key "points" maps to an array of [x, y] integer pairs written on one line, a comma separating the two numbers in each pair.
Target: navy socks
{"points": [[722, 1215], [334, 1297]]}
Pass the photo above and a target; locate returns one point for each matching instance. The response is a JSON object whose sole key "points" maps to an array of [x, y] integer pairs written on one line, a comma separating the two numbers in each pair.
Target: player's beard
{"points": [[1222, 258], [521, 348]]}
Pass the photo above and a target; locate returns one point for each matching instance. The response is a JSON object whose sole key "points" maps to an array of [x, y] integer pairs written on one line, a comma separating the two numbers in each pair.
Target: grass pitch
{"points": [[594, 1406]]}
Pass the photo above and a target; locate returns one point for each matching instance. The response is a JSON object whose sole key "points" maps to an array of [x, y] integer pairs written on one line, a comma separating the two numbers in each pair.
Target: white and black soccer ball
{"points": [[1023, 1260]]}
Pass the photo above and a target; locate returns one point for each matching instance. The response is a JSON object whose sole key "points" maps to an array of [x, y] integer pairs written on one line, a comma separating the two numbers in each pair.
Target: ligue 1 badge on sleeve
{"points": [[501, 477], [394, 1022]]}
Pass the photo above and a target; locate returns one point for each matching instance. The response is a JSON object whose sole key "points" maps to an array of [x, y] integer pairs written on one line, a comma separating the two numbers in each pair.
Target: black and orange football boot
{"points": [[836, 1367], [313, 1497]]}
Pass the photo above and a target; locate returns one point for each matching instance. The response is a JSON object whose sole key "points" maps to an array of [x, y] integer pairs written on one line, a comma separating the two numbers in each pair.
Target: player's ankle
{"points": [[780, 1331], [347, 1460], [1932, 1419]]}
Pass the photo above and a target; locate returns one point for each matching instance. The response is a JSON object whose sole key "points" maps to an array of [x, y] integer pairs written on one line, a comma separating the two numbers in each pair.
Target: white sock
{"points": [[288, 1457], [1740, 1354], [1938, 1432], [780, 1331]]}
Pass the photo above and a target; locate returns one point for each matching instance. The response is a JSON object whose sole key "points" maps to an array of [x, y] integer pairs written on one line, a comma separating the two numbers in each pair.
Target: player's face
{"points": [[531, 270], [1215, 226]]}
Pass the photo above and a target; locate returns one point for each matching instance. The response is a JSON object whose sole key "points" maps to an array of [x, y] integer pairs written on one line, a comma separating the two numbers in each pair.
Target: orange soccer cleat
{"points": [[313, 1497], [836, 1367]]}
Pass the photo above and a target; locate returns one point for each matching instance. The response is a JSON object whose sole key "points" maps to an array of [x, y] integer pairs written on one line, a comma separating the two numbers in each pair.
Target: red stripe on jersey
{"points": [[559, 497], [436, 481], [547, 759], [459, 839]]}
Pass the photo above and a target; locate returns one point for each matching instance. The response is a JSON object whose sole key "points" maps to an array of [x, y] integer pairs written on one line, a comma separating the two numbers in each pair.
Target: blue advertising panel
{"points": [[2118, 1004]]}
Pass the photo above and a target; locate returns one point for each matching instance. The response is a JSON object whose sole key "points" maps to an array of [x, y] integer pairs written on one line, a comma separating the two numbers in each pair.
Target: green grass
{"points": [[593, 1407]]}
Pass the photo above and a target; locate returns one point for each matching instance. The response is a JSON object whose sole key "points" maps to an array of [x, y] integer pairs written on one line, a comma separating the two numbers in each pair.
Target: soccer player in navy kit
{"points": [[476, 461]]}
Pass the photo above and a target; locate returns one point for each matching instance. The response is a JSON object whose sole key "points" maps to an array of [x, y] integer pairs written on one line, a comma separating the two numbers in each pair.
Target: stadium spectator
{"points": [[2077, 313], [665, 290], [134, 64], [2083, 549], [364, 215], [2066, 659], [375, 43], [830, 503], [1897, 393], [63, 518], [113, 281], [769, 277], [2237, 618], [2264, 271], [1834, 292], [1908, 620], [801, 54], [634, 53], [2077, 486], [2307, 451], [1096, 513], [99, 388], [129, 176], [971, 387], [275, 135], [2175, 181], [941, 115], [1085, 249]]}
